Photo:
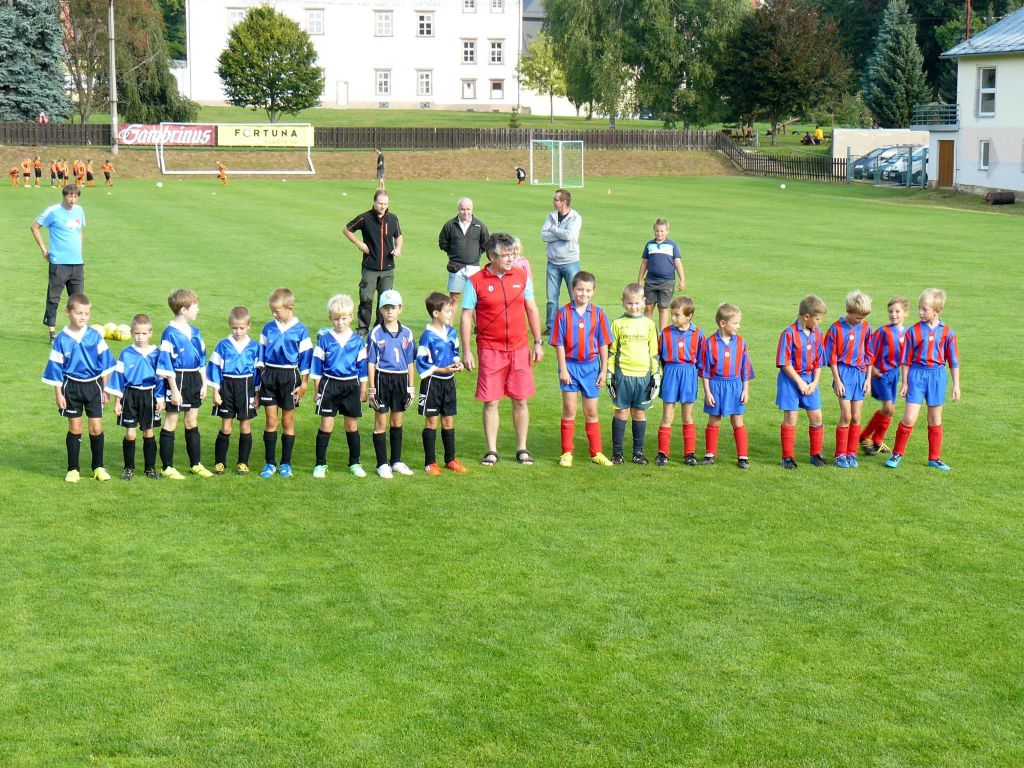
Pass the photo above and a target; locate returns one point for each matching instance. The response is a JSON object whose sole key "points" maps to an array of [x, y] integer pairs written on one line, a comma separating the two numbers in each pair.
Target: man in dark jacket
{"points": [[464, 239], [381, 246]]}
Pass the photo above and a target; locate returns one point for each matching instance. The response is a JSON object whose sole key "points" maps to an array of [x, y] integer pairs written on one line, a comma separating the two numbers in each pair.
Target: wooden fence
{"points": [[750, 163]]}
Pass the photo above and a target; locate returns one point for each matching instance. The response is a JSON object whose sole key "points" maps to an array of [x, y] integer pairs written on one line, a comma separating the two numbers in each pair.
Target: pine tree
{"points": [[32, 61], [894, 80]]}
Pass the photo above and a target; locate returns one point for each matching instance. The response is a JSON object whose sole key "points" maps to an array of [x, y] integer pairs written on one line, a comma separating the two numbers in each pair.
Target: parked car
{"points": [[864, 167], [895, 170]]}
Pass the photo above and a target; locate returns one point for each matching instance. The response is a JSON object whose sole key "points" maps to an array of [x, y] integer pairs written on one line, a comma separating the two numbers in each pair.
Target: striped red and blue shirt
{"points": [[885, 348], [848, 344], [582, 334], [681, 347], [800, 348], [930, 347], [725, 359]]}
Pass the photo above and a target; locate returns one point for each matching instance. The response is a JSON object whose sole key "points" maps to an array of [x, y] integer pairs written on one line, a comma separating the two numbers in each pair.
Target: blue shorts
{"points": [[679, 383], [926, 385], [584, 377], [853, 380], [457, 280], [727, 397], [885, 386], [789, 398], [632, 392]]}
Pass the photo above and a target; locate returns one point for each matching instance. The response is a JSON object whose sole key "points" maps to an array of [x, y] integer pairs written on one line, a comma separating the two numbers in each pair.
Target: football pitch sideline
{"points": [[514, 616]]}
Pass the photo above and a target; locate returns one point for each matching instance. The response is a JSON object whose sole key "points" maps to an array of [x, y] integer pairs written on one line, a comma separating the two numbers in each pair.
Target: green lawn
{"points": [[519, 615]]}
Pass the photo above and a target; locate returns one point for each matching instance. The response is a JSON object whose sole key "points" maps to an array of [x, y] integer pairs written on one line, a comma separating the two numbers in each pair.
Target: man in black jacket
{"points": [[381, 246], [464, 239]]}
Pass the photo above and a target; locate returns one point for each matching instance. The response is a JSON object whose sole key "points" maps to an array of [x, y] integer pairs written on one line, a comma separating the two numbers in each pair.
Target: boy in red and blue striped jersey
{"points": [[581, 337], [726, 370], [800, 356], [885, 350], [846, 352], [928, 347], [680, 346]]}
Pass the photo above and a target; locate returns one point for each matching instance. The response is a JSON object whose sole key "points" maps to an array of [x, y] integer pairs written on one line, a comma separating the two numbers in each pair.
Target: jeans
{"points": [[372, 282], [556, 274], [61, 277]]}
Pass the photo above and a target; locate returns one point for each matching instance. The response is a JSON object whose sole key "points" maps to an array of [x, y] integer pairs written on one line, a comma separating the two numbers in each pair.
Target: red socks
{"points": [[689, 438], [593, 429], [594, 437], [711, 439], [817, 437], [568, 434], [902, 438], [934, 442], [878, 436], [787, 434], [841, 440], [740, 435], [853, 440], [664, 439]]}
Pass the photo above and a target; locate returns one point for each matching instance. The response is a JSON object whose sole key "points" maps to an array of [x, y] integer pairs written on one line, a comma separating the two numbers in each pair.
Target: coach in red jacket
{"points": [[500, 298]]}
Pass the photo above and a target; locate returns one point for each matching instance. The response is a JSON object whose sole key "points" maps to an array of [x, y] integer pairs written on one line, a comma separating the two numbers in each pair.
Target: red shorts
{"points": [[504, 374]]}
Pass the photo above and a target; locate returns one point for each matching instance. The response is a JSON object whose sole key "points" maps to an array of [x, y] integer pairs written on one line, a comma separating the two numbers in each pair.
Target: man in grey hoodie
{"points": [[561, 232]]}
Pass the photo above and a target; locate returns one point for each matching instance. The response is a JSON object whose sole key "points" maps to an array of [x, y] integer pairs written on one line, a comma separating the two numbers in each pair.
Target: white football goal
{"points": [[248, 149], [556, 162]]}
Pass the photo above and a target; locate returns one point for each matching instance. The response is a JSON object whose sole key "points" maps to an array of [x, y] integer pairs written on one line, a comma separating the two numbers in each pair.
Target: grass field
{"points": [[520, 615]]}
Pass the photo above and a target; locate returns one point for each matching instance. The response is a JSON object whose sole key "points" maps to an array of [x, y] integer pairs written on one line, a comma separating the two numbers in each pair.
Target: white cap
{"points": [[390, 296]]}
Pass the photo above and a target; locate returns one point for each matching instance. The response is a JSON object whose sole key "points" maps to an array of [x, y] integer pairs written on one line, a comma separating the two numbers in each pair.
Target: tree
{"points": [[539, 71], [31, 61], [894, 79], [783, 60], [270, 64], [174, 28]]}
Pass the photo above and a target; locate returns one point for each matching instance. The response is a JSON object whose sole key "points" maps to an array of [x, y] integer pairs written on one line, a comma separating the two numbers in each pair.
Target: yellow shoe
{"points": [[601, 460], [100, 474], [199, 469], [73, 476], [566, 460], [218, 468], [242, 469], [172, 474]]}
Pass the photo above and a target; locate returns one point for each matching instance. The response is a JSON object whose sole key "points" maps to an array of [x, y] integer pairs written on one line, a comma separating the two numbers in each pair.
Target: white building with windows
{"points": [[977, 144], [441, 54]]}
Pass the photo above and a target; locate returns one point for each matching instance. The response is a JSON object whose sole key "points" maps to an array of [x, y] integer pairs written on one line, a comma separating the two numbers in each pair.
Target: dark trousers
{"points": [[70, 276], [372, 282]]}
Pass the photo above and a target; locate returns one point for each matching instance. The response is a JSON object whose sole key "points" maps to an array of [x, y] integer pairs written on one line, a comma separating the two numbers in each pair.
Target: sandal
{"points": [[523, 456], [490, 459]]}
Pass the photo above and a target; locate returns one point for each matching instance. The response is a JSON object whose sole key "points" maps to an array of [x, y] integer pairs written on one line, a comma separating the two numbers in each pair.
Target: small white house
{"points": [[977, 144]]}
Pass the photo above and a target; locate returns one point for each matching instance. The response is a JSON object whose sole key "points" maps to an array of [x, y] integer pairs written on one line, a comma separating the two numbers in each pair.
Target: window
{"points": [[983, 147], [424, 25], [497, 89], [424, 82], [987, 92], [235, 15], [469, 6], [497, 6], [383, 77], [497, 51], [469, 89], [315, 21], [383, 26], [469, 51]]}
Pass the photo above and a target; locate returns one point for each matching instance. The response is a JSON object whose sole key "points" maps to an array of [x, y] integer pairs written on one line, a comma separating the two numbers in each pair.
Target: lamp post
{"points": [[113, 80]]}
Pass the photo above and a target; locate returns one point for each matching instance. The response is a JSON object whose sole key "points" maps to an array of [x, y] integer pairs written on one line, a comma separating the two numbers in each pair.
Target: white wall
{"points": [[860, 141]]}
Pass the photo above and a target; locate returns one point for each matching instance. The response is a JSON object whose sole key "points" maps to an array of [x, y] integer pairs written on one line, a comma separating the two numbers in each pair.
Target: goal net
{"points": [[556, 162], [247, 149]]}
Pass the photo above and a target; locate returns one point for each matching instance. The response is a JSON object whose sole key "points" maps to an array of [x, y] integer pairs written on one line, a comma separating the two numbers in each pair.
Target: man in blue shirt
{"points": [[66, 225]]}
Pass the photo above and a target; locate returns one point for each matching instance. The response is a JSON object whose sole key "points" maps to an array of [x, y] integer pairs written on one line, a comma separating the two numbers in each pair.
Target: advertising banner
{"points": [[264, 135], [179, 135]]}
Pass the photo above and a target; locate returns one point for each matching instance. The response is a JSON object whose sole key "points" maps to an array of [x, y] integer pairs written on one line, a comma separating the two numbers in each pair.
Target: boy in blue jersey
{"points": [[391, 357], [77, 369], [581, 337], [660, 266], [286, 352], [800, 356], [885, 351], [338, 372], [437, 361], [138, 396], [633, 375], [235, 381], [182, 363], [725, 371], [846, 353], [679, 348]]}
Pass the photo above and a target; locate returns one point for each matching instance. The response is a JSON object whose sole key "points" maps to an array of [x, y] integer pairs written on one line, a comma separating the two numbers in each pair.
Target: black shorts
{"points": [[392, 391], [277, 385], [659, 292], [437, 397], [190, 384], [338, 397], [236, 394], [138, 409], [82, 397]]}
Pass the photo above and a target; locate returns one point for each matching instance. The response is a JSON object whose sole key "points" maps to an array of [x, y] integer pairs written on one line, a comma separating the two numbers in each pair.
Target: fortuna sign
{"points": [[137, 134]]}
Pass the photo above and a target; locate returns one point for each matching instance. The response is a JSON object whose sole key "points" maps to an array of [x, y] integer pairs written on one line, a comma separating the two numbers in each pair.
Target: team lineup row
{"points": [[152, 385]]}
